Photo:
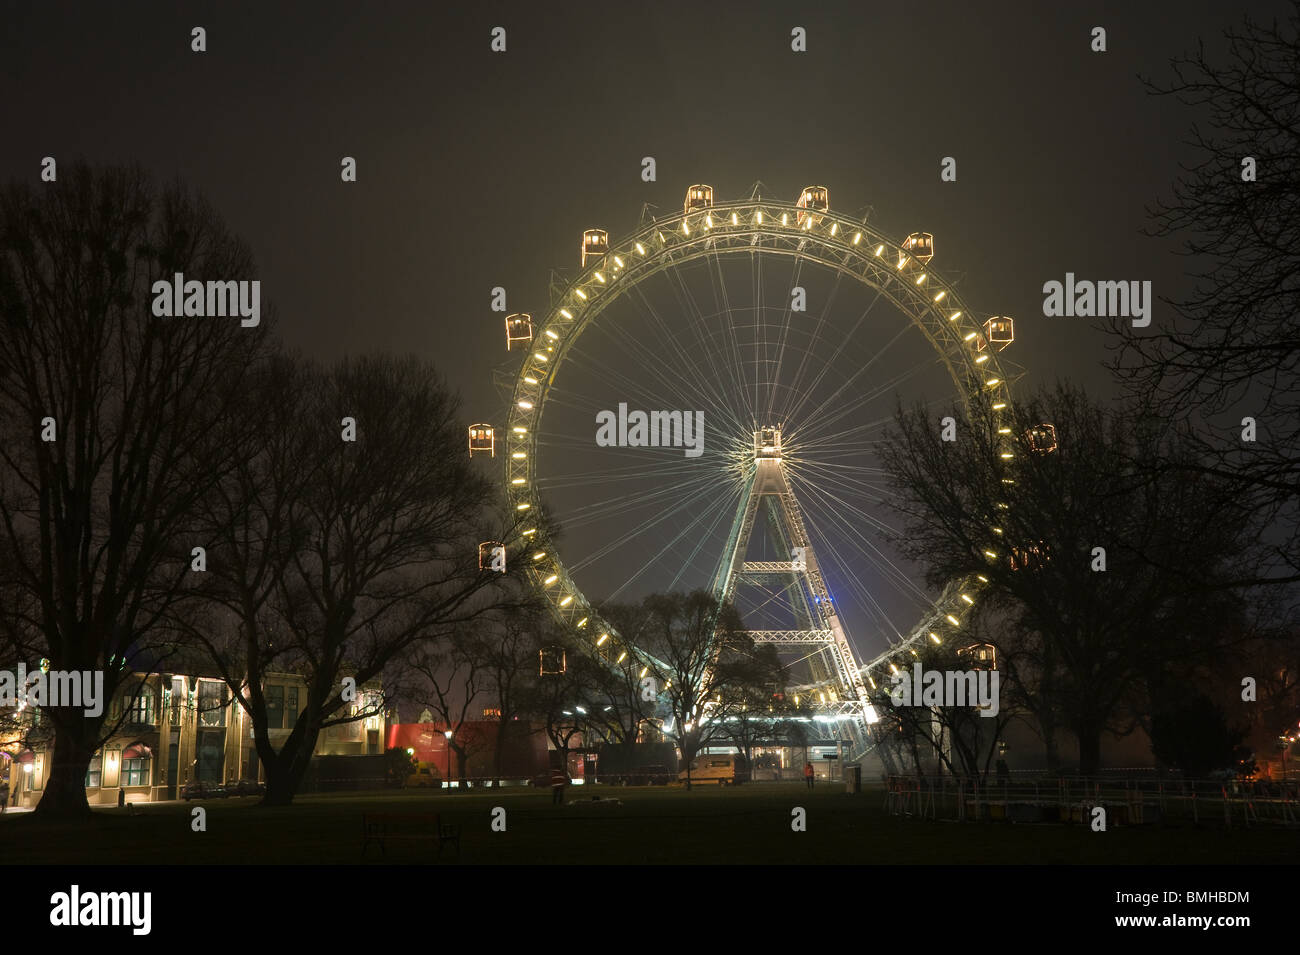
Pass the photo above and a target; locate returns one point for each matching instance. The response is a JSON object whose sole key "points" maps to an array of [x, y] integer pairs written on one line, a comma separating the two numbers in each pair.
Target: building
{"points": [[175, 729]]}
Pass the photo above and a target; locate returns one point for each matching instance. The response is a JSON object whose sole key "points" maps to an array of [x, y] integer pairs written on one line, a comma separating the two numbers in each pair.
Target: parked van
{"points": [[724, 769]]}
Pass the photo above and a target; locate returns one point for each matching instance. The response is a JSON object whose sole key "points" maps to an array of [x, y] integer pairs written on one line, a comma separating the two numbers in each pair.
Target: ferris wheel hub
{"points": [[767, 444]]}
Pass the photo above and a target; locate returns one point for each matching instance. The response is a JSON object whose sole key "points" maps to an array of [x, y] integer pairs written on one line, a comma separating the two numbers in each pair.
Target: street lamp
{"points": [[448, 733]]}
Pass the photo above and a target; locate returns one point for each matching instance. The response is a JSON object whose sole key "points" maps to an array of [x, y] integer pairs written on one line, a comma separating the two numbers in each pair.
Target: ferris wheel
{"points": [[700, 408]]}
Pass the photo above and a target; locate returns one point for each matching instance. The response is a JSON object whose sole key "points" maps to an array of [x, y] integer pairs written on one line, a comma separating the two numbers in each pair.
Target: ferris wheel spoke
{"points": [[642, 528], [810, 353], [848, 336], [682, 493], [725, 316], [689, 382], [834, 510], [710, 378], [821, 418], [723, 508]]}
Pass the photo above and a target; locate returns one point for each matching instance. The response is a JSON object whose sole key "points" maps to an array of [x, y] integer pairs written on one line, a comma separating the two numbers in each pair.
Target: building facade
{"points": [[177, 729]]}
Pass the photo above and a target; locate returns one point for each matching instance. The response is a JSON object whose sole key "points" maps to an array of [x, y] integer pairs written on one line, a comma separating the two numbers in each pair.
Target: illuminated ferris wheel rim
{"points": [[756, 226]]}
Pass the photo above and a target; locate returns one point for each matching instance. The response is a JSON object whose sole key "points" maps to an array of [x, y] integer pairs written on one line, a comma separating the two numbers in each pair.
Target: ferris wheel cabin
{"points": [[482, 440], [698, 197], [519, 328], [920, 246], [999, 332], [814, 199], [1042, 438], [595, 245], [551, 661], [488, 552], [982, 656]]}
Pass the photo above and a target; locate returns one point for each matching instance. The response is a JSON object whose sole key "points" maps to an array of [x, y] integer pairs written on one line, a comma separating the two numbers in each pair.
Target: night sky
{"points": [[478, 169]]}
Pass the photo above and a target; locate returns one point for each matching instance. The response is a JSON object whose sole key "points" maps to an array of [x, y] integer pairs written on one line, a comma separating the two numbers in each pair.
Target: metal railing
{"points": [[1128, 800]]}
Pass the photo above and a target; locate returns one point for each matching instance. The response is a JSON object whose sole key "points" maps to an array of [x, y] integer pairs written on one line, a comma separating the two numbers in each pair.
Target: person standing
{"points": [[559, 779], [4, 795], [808, 774]]}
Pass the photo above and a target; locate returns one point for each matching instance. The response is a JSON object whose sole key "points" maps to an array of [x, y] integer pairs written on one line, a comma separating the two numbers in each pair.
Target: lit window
{"points": [[135, 772], [94, 770]]}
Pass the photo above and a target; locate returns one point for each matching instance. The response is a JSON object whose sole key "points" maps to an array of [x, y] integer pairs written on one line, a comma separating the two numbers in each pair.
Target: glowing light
{"points": [[551, 579], [686, 230], [581, 294], [582, 623], [566, 601], [1004, 430], [967, 599], [954, 316], [935, 637], [621, 657], [539, 555], [519, 454], [857, 238], [939, 297], [619, 261], [644, 671], [999, 406], [519, 430], [981, 359], [526, 405], [759, 216], [970, 336], [992, 381], [517, 481], [953, 620], [599, 278], [734, 220], [640, 249], [530, 532], [785, 218], [522, 507], [539, 356], [1007, 455], [902, 260], [920, 278], [566, 313], [530, 379], [879, 250], [835, 227], [708, 222], [603, 638]]}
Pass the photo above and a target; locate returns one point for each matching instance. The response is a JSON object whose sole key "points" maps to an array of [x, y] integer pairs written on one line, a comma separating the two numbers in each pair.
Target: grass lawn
{"points": [[749, 824]]}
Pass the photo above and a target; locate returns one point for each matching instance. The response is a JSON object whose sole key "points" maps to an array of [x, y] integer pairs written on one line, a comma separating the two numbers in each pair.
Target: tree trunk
{"points": [[285, 770], [1089, 750], [64, 796]]}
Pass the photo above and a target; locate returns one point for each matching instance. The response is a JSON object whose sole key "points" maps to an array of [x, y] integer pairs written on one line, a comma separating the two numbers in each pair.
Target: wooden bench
{"points": [[386, 827]]}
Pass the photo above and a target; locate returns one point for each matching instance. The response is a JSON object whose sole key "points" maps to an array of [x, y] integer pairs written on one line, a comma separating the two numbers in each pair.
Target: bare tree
{"points": [[120, 413], [566, 698], [1103, 638], [336, 556], [701, 652], [454, 677], [1232, 349], [509, 646]]}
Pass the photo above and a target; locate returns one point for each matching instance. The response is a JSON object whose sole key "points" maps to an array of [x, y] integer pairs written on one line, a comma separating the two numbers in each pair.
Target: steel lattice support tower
{"points": [[799, 579]]}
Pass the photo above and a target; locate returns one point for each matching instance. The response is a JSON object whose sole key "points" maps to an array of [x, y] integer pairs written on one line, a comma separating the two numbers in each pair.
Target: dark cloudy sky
{"points": [[478, 169]]}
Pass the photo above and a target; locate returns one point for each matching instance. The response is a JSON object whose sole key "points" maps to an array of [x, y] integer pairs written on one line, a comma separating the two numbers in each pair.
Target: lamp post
{"points": [[448, 734]]}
